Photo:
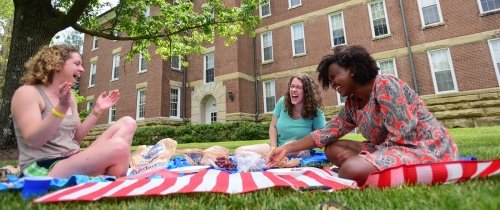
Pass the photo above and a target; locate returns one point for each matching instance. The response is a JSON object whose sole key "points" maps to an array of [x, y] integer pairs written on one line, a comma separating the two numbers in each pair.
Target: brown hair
{"points": [[312, 98], [45, 62]]}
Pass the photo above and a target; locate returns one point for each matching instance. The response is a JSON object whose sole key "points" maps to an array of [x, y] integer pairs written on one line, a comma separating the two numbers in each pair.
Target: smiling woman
{"points": [[399, 129], [48, 127]]}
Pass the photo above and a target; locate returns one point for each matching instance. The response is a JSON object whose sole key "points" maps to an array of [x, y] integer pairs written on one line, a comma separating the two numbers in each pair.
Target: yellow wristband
{"points": [[56, 113], [273, 148]]}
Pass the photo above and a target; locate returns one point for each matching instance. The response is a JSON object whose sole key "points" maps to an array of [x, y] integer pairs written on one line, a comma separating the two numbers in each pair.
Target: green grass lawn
{"points": [[483, 143]]}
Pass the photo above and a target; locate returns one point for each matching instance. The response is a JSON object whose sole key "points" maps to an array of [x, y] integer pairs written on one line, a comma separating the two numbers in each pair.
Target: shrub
{"points": [[215, 132]]}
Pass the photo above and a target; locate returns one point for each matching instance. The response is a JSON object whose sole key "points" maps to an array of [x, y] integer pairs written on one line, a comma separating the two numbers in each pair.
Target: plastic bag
{"points": [[211, 154], [146, 158], [250, 161]]}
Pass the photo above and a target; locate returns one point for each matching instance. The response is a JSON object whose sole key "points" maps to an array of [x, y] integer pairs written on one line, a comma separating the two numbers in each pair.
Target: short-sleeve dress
{"points": [[399, 129]]}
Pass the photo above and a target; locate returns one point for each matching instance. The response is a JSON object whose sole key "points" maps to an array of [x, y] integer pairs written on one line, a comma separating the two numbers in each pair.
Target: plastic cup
{"points": [[35, 186]]}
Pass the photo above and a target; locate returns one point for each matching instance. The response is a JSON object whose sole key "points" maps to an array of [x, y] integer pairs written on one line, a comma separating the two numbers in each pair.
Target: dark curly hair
{"points": [[45, 62], [312, 97], [354, 57]]}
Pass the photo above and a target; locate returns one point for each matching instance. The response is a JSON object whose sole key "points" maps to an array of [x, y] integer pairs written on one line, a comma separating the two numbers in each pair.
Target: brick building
{"points": [[436, 46]]}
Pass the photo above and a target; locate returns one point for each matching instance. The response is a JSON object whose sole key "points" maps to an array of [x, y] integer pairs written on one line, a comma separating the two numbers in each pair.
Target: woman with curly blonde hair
{"points": [[48, 127], [295, 115]]}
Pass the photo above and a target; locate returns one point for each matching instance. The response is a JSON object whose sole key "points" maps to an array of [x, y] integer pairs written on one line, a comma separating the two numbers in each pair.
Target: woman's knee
{"points": [[337, 153], [119, 146], [356, 168], [127, 122]]}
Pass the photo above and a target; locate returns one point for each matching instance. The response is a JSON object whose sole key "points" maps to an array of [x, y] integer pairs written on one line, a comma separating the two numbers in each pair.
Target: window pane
{"points": [[444, 81], [265, 9], [431, 14], [270, 103], [294, 3], [387, 67], [268, 53], [175, 62], [174, 102], [379, 19], [299, 46], [442, 70], [209, 67], [337, 26], [490, 5]]}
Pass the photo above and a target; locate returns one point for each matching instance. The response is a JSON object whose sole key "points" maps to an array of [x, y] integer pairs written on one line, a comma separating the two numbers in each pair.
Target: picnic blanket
{"points": [[220, 181]]}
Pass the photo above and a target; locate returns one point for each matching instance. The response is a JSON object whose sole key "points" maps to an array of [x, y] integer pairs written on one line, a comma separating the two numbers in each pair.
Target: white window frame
{"points": [[138, 108], [110, 114], [485, 12], [393, 60], [95, 42], [270, 35], [294, 6], [268, 4], [371, 19], [205, 66], [303, 39], [141, 57], [272, 87], [493, 59], [179, 67], [178, 114], [422, 19], [341, 13], [89, 105], [339, 101], [93, 71], [116, 66], [433, 71]]}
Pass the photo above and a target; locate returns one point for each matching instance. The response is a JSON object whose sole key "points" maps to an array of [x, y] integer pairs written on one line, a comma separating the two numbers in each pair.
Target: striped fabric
{"points": [[219, 181]]}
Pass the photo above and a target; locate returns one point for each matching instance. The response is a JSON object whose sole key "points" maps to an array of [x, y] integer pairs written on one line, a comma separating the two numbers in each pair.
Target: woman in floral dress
{"points": [[399, 129]]}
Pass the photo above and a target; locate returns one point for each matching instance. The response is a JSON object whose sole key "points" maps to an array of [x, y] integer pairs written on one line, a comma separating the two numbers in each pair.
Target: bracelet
{"points": [[56, 113], [273, 148]]}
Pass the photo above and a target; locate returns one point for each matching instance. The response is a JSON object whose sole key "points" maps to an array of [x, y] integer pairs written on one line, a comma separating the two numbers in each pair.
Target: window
{"points": [[265, 9], [90, 105], [112, 114], [430, 12], [388, 66], [93, 70], [341, 99], [175, 96], [141, 104], [443, 74], [269, 96], [294, 3], [378, 18], [337, 32], [175, 62], [213, 117], [208, 64], [116, 66], [143, 64], [95, 43], [489, 5], [495, 56], [267, 46], [298, 40]]}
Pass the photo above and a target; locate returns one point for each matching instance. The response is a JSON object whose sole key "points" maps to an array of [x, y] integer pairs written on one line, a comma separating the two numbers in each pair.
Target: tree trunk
{"points": [[30, 32]]}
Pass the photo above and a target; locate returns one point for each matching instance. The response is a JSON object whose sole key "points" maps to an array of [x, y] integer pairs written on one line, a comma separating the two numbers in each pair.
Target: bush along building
{"points": [[448, 51]]}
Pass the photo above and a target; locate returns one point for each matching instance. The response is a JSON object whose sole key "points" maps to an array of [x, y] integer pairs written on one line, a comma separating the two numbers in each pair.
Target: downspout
{"points": [[256, 75], [184, 94], [408, 46]]}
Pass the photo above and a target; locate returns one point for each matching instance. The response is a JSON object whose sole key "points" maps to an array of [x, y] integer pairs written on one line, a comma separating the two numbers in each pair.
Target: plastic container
{"points": [[35, 186]]}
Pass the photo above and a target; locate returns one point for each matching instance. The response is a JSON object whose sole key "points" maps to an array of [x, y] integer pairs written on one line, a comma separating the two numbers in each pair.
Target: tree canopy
{"points": [[175, 27]]}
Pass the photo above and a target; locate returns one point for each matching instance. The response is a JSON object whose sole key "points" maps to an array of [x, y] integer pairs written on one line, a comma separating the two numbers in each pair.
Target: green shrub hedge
{"points": [[234, 131]]}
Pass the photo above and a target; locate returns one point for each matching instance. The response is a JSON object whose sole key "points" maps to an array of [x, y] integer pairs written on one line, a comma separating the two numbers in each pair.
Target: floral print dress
{"points": [[399, 129]]}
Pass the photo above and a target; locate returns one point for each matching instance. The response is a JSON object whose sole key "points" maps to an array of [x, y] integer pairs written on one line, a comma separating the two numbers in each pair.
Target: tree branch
{"points": [[62, 20]]}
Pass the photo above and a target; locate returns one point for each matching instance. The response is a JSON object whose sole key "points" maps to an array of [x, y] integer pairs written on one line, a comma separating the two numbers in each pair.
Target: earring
{"points": [[352, 75]]}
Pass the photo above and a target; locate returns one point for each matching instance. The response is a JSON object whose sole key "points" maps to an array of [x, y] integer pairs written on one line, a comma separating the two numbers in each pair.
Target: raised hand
{"points": [[275, 156], [105, 101], [64, 95]]}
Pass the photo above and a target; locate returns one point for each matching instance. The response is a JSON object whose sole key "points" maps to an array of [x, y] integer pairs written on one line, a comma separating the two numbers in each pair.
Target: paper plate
{"points": [[286, 171], [190, 169]]}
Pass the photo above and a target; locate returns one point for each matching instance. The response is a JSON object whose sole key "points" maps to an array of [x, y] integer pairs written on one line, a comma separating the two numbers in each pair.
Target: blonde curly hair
{"points": [[45, 62], [312, 98]]}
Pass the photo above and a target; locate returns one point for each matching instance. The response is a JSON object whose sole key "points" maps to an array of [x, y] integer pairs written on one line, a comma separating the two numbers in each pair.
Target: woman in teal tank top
{"points": [[295, 115]]}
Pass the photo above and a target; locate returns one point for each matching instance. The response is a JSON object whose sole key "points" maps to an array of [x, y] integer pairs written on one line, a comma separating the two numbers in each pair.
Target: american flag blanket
{"points": [[212, 180]]}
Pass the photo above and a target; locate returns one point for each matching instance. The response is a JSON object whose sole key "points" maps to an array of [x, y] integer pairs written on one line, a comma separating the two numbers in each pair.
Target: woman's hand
{"points": [[275, 156], [105, 101], [65, 95]]}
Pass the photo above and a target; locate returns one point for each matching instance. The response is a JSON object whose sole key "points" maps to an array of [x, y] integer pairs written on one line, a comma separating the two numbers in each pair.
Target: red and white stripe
{"points": [[433, 173], [220, 181], [204, 181]]}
